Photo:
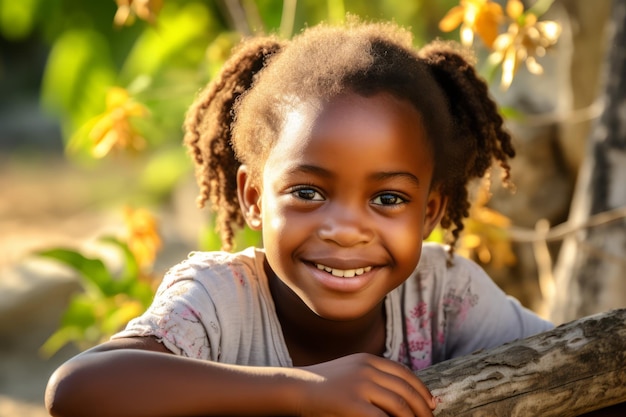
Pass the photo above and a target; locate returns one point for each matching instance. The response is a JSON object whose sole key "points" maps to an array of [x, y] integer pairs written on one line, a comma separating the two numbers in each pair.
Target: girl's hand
{"points": [[365, 385]]}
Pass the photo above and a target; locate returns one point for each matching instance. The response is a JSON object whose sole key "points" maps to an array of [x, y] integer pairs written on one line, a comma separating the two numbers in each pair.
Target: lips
{"points": [[344, 273]]}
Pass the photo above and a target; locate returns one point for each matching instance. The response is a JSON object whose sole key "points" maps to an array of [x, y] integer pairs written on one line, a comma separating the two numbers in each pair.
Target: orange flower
{"points": [[143, 238], [113, 128], [127, 10], [525, 40], [485, 233], [475, 16]]}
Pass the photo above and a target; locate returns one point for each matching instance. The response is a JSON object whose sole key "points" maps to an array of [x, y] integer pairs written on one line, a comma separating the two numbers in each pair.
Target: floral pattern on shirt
{"points": [[416, 352], [457, 305]]}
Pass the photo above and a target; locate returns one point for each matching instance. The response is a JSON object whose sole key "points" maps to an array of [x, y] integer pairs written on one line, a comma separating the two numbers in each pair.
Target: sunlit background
{"points": [[97, 192]]}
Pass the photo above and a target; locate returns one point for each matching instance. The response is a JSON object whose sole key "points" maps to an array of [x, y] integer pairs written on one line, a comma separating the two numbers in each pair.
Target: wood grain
{"points": [[573, 369]]}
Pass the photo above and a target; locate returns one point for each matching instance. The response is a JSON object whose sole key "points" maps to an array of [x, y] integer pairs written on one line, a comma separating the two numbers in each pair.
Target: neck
{"points": [[313, 339]]}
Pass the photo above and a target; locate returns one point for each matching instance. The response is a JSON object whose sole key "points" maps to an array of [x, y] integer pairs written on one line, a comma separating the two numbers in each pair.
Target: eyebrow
{"points": [[382, 176], [378, 176]]}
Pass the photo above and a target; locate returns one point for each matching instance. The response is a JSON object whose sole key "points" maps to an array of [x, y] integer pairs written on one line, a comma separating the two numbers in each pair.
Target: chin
{"points": [[341, 312]]}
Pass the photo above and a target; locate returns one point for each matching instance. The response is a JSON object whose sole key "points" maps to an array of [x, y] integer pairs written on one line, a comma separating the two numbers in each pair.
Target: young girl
{"points": [[345, 147]]}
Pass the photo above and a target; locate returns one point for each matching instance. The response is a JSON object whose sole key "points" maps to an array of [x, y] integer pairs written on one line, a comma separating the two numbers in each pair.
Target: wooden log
{"points": [[573, 369]]}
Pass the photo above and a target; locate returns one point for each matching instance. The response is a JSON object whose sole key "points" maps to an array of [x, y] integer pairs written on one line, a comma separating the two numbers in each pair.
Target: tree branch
{"points": [[573, 369]]}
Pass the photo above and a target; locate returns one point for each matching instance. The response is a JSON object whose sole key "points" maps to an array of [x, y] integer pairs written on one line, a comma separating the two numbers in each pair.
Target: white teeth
{"points": [[347, 273]]}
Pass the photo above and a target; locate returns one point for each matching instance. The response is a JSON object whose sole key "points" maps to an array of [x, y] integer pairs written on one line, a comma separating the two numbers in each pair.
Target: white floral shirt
{"points": [[217, 306]]}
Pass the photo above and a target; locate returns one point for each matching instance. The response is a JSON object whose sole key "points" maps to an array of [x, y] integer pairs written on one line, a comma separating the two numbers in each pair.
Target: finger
{"points": [[409, 376], [408, 382], [398, 397]]}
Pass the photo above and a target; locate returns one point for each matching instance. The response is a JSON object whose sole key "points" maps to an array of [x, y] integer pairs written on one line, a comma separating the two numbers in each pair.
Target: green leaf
{"points": [[17, 18], [209, 238], [96, 277], [60, 338], [142, 291], [336, 10], [165, 169], [540, 7], [181, 36], [77, 325], [129, 283], [81, 311], [511, 113], [78, 72], [119, 315], [248, 237], [131, 269]]}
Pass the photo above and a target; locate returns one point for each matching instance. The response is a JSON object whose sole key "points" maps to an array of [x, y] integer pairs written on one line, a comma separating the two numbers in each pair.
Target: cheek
{"points": [[408, 245], [278, 227], [272, 217], [405, 240]]}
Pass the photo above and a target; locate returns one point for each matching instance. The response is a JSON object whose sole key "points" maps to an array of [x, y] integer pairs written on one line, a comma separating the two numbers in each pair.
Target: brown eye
{"points": [[308, 194], [388, 199]]}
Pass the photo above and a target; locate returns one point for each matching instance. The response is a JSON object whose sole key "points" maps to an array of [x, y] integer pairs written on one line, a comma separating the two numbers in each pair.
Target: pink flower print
{"points": [[418, 339], [420, 315], [459, 306], [237, 274], [419, 310], [418, 345], [420, 353], [189, 314]]}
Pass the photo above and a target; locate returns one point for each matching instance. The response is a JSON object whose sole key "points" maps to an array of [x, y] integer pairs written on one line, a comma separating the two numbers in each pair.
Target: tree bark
{"points": [[573, 369], [559, 108], [590, 274]]}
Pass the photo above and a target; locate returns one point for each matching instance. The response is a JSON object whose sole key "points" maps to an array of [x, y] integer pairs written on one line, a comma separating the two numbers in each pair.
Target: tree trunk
{"points": [[568, 371], [558, 108], [590, 274]]}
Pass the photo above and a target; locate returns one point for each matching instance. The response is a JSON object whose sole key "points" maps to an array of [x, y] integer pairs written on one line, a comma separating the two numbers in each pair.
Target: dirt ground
{"points": [[46, 202]]}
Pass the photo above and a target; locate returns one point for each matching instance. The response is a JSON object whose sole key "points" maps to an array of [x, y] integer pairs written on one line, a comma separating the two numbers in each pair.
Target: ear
{"points": [[435, 209], [249, 195]]}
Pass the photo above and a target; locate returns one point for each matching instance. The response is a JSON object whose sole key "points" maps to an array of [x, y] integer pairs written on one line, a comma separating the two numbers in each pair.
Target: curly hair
{"points": [[238, 117]]}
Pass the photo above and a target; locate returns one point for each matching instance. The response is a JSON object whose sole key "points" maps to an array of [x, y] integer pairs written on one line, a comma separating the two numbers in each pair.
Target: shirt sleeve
{"points": [[479, 315], [181, 316]]}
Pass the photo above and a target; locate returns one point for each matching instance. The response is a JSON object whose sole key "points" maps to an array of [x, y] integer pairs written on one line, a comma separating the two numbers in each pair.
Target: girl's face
{"points": [[345, 202]]}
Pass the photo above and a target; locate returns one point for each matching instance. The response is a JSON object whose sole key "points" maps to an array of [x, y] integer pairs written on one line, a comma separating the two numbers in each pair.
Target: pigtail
{"points": [[479, 137], [208, 127]]}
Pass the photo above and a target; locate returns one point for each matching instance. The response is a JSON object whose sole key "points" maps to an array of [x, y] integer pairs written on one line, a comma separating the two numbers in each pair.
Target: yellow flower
{"points": [[475, 16], [127, 10], [113, 128], [485, 233], [525, 40], [143, 238]]}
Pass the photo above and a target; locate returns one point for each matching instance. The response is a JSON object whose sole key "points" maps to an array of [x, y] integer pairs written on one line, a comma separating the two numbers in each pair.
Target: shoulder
{"points": [[454, 278], [211, 269], [436, 262], [213, 261], [213, 281], [204, 303]]}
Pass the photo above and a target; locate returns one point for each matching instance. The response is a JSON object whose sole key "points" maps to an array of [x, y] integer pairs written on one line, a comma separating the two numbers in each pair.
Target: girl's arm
{"points": [[139, 377]]}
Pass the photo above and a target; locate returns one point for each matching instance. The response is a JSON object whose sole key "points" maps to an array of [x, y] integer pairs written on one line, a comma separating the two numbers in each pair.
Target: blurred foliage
{"points": [[108, 300], [523, 41], [485, 235], [120, 75], [110, 296]]}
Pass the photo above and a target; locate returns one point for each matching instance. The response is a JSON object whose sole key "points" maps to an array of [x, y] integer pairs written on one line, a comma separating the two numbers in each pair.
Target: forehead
{"points": [[380, 124]]}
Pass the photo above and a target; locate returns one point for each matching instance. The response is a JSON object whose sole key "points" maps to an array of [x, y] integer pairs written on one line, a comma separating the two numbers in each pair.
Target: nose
{"points": [[346, 225]]}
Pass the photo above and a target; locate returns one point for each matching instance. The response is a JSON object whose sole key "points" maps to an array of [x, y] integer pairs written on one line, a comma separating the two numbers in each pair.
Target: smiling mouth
{"points": [[344, 273]]}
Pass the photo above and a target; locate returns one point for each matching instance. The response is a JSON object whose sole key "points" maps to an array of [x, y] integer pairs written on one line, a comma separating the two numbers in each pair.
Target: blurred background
{"points": [[97, 194]]}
